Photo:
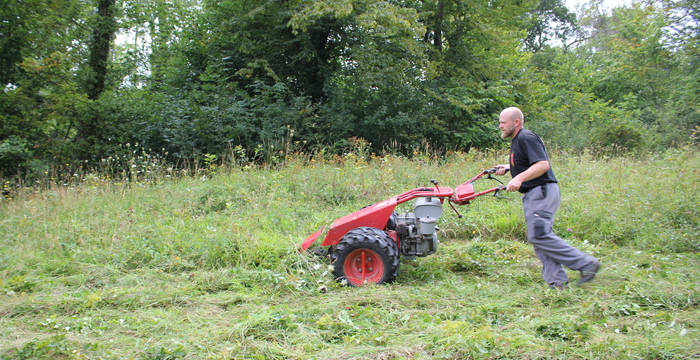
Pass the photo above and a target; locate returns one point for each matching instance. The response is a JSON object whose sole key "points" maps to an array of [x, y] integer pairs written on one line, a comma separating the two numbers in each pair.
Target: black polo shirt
{"points": [[527, 148]]}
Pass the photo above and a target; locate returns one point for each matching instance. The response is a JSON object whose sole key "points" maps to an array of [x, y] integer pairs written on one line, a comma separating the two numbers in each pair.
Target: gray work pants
{"points": [[539, 205]]}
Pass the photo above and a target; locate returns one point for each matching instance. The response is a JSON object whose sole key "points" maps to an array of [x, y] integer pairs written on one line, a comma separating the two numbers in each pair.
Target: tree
{"points": [[471, 74], [550, 20], [34, 28], [41, 96], [627, 83]]}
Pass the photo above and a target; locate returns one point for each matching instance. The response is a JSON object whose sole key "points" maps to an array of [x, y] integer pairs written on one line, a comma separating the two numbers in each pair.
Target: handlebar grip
{"points": [[493, 170]]}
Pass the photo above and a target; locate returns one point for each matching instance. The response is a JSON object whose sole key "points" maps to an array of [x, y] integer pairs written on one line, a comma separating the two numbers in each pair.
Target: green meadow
{"points": [[205, 265]]}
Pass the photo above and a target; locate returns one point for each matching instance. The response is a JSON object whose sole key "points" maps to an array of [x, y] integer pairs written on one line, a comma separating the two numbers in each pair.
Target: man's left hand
{"points": [[514, 185]]}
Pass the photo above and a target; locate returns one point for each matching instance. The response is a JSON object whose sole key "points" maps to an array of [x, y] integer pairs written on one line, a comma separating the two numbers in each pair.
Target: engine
{"points": [[417, 230]]}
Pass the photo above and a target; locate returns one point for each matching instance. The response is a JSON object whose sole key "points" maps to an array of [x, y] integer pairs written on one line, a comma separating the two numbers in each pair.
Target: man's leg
{"points": [[552, 272], [539, 207]]}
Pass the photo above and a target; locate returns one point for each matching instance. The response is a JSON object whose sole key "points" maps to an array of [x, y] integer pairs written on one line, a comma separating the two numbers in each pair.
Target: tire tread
{"points": [[355, 238]]}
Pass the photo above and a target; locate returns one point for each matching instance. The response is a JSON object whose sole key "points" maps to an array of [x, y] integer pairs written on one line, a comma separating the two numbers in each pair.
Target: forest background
{"points": [[86, 82]]}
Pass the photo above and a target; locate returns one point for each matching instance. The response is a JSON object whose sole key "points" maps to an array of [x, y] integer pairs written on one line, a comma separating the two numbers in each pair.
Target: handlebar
{"points": [[493, 170]]}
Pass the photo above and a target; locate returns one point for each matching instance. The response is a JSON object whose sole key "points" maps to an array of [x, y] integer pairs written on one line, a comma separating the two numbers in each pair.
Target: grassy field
{"points": [[206, 267]]}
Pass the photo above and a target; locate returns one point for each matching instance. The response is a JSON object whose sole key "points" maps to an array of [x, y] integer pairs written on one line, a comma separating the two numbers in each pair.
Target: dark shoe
{"points": [[588, 272], [559, 286]]}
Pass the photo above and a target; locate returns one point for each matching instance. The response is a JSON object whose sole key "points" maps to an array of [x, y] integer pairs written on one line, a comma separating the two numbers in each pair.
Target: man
{"points": [[533, 176]]}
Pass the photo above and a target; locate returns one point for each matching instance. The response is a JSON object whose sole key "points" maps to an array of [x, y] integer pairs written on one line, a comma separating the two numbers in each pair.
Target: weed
{"points": [[54, 347], [565, 330], [166, 353]]}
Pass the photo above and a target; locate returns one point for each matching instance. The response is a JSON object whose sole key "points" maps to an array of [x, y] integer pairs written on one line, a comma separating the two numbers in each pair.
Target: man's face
{"points": [[507, 126]]}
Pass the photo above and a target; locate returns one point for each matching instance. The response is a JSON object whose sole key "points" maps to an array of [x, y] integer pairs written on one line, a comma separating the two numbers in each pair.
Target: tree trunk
{"points": [[102, 35], [437, 40], [91, 127]]}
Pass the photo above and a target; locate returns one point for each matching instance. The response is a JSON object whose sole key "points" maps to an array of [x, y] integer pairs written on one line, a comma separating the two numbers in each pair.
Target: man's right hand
{"points": [[501, 169]]}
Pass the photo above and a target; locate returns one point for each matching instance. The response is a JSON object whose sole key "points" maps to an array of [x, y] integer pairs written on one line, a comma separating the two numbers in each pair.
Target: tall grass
{"points": [[205, 265]]}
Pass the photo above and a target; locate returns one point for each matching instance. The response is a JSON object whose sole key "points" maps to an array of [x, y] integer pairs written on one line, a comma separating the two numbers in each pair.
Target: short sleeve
{"points": [[535, 149]]}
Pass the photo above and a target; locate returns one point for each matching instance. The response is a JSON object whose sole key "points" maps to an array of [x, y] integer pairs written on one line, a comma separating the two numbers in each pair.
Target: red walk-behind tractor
{"points": [[365, 246]]}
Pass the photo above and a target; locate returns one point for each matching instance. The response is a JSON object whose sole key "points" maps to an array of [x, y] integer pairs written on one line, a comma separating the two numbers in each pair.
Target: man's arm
{"points": [[534, 171]]}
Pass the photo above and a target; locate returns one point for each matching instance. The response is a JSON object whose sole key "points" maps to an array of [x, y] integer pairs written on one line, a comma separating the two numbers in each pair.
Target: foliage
{"points": [[14, 152], [54, 347], [197, 77], [550, 21], [622, 85]]}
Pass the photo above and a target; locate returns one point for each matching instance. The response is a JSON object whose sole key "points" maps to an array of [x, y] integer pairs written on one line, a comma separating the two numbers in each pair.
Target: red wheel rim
{"points": [[363, 265]]}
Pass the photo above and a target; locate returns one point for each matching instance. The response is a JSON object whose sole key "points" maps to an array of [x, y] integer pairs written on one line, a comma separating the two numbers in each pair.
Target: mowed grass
{"points": [[207, 267]]}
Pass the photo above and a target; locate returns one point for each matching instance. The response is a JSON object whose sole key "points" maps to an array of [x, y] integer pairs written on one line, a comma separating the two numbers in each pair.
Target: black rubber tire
{"points": [[366, 238], [391, 223]]}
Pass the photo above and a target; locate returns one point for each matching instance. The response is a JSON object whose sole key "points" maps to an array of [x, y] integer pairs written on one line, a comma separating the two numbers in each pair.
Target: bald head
{"points": [[510, 122], [513, 113]]}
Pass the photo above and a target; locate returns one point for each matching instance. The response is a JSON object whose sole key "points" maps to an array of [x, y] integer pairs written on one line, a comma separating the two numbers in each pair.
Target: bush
{"points": [[623, 134], [14, 153]]}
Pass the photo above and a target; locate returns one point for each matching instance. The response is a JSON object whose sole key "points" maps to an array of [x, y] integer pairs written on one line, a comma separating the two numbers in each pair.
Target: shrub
{"points": [[14, 153], [622, 133]]}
